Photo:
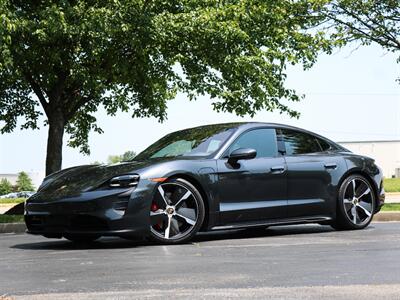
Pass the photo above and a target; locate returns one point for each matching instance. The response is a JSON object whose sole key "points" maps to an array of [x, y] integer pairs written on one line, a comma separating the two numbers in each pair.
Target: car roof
{"points": [[247, 125], [242, 126], [267, 124]]}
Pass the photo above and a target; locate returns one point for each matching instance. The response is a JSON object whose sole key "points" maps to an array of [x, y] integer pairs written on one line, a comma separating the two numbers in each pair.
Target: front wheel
{"points": [[176, 213], [356, 203]]}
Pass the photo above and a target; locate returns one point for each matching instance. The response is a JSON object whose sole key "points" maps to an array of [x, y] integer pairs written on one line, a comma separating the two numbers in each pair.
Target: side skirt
{"points": [[274, 222]]}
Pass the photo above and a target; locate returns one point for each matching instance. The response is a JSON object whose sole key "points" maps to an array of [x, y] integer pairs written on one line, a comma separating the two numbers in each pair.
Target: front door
{"points": [[255, 189]]}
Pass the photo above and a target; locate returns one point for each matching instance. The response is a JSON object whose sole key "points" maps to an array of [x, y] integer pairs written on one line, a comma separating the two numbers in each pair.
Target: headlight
{"points": [[124, 181]]}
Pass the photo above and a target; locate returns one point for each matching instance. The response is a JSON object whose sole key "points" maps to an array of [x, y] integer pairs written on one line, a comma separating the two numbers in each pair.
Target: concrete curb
{"points": [[12, 227], [384, 216], [387, 216]]}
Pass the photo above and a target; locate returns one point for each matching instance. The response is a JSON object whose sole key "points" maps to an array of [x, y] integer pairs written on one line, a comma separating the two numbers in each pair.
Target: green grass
{"points": [[391, 207], [392, 185], [11, 218], [12, 200]]}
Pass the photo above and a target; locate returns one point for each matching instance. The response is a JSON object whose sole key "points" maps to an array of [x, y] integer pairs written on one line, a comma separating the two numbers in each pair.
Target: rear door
{"points": [[255, 189], [311, 167]]}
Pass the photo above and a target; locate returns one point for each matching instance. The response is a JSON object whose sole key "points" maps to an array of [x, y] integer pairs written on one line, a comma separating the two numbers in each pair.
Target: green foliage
{"points": [[127, 156], [113, 159], [12, 200], [76, 56], [391, 207], [24, 182], [11, 218], [5, 186], [365, 21], [392, 185]]}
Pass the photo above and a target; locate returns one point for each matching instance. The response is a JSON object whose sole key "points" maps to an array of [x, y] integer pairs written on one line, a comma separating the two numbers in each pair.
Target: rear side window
{"points": [[262, 140], [325, 146], [299, 142]]}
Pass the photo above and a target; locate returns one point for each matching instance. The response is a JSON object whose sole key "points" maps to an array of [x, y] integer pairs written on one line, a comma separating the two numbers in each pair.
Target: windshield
{"points": [[199, 141]]}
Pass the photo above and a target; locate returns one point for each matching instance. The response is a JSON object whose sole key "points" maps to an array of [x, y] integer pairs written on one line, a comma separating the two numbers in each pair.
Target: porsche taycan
{"points": [[222, 176]]}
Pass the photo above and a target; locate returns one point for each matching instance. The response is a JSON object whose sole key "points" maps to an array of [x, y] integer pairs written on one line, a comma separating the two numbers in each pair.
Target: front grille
{"points": [[60, 223], [35, 220], [90, 223], [60, 207]]}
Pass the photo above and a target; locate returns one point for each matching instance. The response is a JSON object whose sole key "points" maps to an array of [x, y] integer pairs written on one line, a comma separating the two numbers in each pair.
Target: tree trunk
{"points": [[54, 144]]}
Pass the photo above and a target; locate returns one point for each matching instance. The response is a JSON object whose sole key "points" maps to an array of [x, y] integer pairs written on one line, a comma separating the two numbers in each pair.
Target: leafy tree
{"points": [[5, 186], [365, 21], [72, 57], [24, 182], [128, 155], [113, 159]]}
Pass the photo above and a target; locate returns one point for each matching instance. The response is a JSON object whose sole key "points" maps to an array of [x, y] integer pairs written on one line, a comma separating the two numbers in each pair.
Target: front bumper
{"points": [[79, 224], [109, 213]]}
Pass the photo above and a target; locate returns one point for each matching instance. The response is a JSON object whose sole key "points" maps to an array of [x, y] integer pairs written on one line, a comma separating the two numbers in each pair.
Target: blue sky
{"points": [[350, 95]]}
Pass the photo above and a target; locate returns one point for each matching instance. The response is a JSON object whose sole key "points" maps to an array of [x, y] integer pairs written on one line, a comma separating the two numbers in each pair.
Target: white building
{"points": [[385, 153]]}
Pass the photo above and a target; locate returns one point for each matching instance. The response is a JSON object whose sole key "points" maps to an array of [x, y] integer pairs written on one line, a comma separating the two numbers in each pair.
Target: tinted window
{"points": [[325, 146], [262, 140], [299, 142]]}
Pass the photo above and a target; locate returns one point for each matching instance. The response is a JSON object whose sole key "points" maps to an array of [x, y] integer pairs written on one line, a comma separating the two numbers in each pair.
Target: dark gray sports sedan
{"points": [[211, 177]]}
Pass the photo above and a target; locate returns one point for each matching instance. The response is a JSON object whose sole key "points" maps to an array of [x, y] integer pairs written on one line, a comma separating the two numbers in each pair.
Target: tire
{"points": [[176, 213], [81, 239], [356, 204]]}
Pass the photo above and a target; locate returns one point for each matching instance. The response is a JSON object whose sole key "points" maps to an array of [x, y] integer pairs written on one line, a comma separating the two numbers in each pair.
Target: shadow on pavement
{"points": [[115, 242], [261, 232]]}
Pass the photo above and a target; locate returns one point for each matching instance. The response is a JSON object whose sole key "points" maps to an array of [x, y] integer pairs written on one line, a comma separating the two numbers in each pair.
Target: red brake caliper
{"points": [[154, 207]]}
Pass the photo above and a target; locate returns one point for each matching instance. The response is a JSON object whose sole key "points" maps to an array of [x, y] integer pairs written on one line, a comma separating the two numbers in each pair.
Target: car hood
{"points": [[71, 182]]}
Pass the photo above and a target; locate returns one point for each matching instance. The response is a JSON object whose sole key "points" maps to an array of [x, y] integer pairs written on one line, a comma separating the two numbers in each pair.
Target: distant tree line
{"points": [[24, 183], [127, 156], [113, 159]]}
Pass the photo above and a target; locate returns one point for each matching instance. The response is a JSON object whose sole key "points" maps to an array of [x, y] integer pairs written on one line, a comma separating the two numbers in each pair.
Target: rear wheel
{"points": [[356, 203], [176, 213]]}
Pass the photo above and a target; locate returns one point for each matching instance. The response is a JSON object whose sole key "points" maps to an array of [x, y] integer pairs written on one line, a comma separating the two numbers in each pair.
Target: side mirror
{"points": [[241, 153]]}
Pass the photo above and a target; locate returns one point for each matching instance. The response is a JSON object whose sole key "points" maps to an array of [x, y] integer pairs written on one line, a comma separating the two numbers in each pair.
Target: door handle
{"points": [[330, 166], [278, 169]]}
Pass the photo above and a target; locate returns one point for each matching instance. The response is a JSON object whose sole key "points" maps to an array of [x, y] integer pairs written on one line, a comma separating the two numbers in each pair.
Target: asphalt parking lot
{"points": [[298, 262]]}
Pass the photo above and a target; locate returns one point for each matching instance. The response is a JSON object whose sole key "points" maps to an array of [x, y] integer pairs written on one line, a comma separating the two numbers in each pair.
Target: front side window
{"points": [[299, 142], [262, 140]]}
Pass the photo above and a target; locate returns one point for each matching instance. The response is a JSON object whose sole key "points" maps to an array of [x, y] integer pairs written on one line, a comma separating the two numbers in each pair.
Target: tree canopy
{"points": [[126, 156], [72, 57], [5, 186], [24, 182], [364, 21]]}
